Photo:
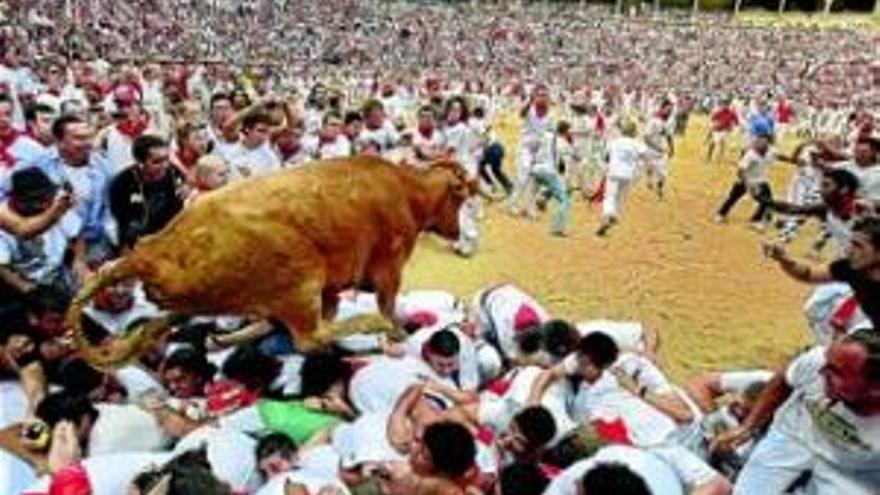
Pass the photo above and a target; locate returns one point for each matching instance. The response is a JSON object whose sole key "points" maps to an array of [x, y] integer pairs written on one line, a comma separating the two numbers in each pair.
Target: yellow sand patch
{"points": [[716, 301]]}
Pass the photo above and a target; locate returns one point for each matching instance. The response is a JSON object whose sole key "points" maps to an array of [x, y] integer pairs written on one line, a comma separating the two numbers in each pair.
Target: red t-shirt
{"points": [[784, 112], [724, 119]]}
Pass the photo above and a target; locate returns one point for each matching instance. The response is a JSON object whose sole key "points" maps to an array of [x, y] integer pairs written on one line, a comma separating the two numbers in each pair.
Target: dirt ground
{"points": [[717, 303]]}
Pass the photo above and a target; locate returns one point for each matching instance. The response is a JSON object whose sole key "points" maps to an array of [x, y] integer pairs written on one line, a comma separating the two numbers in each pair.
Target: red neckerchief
{"points": [[426, 133], [6, 142], [844, 312], [133, 129], [288, 150], [187, 157], [844, 207], [541, 110]]}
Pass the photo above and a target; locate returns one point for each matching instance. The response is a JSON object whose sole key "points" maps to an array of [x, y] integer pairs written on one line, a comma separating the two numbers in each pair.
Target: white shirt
{"points": [[39, 258], [430, 144], [255, 162], [386, 136], [440, 303], [658, 133], [25, 150], [119, 322], [830, 429], [232, 455], [459, 138], [226, 149], [534, 126], [869, 179], [754, 166], [496, 315], [339, 148], [468, 376], [498, 407], [607, 402], [371, 390], [364, 440], [110, 474], [624, 154], [125, 428], [313, 482], [627, 335], [660, 478]]}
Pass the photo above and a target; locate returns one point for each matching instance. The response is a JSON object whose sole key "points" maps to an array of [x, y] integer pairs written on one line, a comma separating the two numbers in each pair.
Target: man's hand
{"points": [[775, 251], [626, 382], [65, 449], [731, 439], [62, 202]]}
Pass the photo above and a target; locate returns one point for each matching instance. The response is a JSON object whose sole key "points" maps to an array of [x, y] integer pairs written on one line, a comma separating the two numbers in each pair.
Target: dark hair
{"points": [[844, 179], [869, 226], [599, 348], [371, 105], [353, 116], [13, 321], [250, 367], [31, 112], [321, 371], [479, 113], [220, 96], [612, 477], [522, 478], [537, 425], [870, 340], [191, 475], [5, 98], [189, 359], [142, 146], [275, 443], [59, 127], [77, 376], [444, 343], [254, 119], [48, 299], [451, 446], [465, 111], [563, 127], [332, 115], [65, 406], [560, 337], [529, 340]]}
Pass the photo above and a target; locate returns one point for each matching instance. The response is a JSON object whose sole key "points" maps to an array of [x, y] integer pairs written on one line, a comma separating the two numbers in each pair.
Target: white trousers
{"points": [[778, 460], [616, 190]]}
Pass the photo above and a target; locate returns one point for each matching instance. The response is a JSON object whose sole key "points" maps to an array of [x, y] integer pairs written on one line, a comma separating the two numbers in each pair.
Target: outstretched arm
{"points": [[774, 395], [814, 209], [797, 270]]}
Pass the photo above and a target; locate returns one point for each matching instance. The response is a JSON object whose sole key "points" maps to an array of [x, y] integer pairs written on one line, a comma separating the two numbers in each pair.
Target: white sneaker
{"points": [[758, 226], [719, 219]]}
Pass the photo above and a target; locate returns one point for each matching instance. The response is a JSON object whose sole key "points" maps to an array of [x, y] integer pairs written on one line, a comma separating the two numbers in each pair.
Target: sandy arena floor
{"points": [[707, 289]]}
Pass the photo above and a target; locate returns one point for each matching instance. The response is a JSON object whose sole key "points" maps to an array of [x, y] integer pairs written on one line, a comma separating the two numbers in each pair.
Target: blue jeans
{"points": [[553, 182]]}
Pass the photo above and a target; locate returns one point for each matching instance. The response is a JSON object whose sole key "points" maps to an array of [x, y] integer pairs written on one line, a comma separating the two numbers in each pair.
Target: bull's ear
{"points": [[462, 189]]}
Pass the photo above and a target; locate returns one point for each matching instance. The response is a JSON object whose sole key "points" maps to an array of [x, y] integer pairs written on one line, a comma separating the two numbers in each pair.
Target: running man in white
{"points": [[624, 155]]}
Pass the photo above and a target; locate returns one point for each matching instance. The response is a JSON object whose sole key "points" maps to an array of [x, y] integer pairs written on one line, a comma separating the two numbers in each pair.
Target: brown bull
{"points": [[283, 246]]}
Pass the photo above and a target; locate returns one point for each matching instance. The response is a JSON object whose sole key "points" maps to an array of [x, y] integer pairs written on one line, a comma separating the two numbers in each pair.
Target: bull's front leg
{"points": [[301, 311], [386, 280]]}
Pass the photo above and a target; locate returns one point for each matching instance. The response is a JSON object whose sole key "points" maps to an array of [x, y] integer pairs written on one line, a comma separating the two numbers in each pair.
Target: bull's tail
{"points": [[116, 351]]}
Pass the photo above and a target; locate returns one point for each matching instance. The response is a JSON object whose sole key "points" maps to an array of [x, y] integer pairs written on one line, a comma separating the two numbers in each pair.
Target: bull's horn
{"points": [[119, 350]]}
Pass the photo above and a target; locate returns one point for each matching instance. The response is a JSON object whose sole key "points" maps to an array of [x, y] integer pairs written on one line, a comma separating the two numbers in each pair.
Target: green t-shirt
{"points": [[294, 419]]}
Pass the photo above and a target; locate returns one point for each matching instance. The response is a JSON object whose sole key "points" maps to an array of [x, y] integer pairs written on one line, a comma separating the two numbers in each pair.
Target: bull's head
{"points": [[456, 189]]}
